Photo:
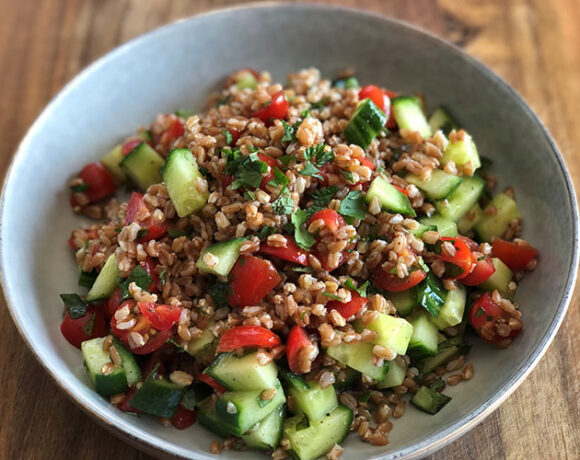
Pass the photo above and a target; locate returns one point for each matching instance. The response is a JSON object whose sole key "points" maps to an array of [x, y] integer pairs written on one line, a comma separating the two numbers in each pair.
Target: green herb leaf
{"points": [[321, 198], [224, 100], [311, 170], [228, 135], [318, 154], [302, 269], [431, 295], [362, 290], [347, 175], [423, 265], [253, 149], [176, 345], [365, 397], [287, 159], [353, 205], [280, 179], [319, 105], [90, 325], [265, 232], [80, 188], [205, 172], [480, 312], [176, 232], [76, 307], [305, 113], [249, 195], [139, 276], [303, 238], [163, 276], [219, 292], [290, 131], [142, 233], [332, 296], [183, 113], [87, 279], [247, 170], [284, 204]]}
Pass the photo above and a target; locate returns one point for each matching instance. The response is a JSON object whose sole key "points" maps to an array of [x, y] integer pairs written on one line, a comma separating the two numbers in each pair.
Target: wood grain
{"points": [[534, 44]]}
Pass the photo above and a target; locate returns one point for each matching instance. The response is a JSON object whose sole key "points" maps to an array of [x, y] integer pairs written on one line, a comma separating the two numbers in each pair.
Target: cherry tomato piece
{"points": [[174, 130], [375, 94], [247, 336], [115, 299], [124, 404], [462, 261], [515, 256], [349, 308], [269, 175], [392, 283], [297, 340], [277, 109], [212, 383], [401, 189], [155, 230], [483, 269], [332, 220], [155, 342], [130, 145], [100, 183], [183, 418], [236, 133], [485, 315], [149, 265], [292, 252], [252, 278], [161, 317], [90, 326]]}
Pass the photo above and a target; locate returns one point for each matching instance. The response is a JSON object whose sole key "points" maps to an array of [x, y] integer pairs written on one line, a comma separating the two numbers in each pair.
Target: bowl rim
{"points": [[143, 440]]}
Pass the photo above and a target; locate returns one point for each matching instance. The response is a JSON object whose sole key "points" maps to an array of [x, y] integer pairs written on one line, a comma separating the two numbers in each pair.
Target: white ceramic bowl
{"points": [[176, 66]]}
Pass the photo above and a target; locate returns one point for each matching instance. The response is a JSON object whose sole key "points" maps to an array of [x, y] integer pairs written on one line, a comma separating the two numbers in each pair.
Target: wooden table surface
{"points": [[533, 44]]}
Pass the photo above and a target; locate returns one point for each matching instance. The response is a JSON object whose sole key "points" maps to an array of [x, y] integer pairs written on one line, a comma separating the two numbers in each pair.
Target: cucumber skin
{"points": [[359, 357], [94, 358], [157, 397], [222, 367], [224, 251], [490, 226], [143, 175], [106, 281], [390, 198], [402, 106], [366, 122], [267, 441]]}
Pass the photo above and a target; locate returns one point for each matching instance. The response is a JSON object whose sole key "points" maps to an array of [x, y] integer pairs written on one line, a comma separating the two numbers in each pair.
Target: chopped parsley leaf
{"points": [[332, 296], [228, 135], [76, 307], [280, 179], [224, 100], [319, 105], [183, 113], [249, 195], [138, 276], [247, 170], [303, 238], [480, 312], [302, 269], [353, 205], [142, 233], [80, 188], [163, 276], [265, 232], [284, 204], [87, 279], [311, 170], [176, 232], [286, 159], [290, 131], [321, 198], [219, 292], [347, 175], [90, 325], [362, 290], [318, 154]]}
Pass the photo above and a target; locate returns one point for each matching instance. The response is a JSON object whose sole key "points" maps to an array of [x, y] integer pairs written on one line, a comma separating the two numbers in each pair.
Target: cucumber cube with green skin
{"points": [[439, 186], [157, 396], [462, 152], [106, 281], [310, 441], [95, 358], [226, 253], [186, 186], [243, 373], [404, 301], [112, 162], [132, 369], [239, 411], [266, 435], [500, 280], [207, 416], [429, 400], [433, 362], [390, 199], [312, 400], [366, 122], [392, 332], [395, 376], [451, 313], [444, 226], [143, 165], [359, 356], [424, 341], [470, 219], [409, 115], [422, 228], [442, 120], [456, 205], [495, 224], [203, 343]]}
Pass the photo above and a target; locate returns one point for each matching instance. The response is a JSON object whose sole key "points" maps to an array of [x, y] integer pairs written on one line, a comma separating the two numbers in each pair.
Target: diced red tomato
{"points": [[100, 183], [515, 256], [236, 133], [149, 265], [247, 336], [461, 262], [292, 252], [212, 383], [269, 175], [484, 315], [323, 256], [174, 130], [366, 161], [391, 123], [252, 278], [392, 283], [297, 340], [161, 317], [183, 418], [401, 189], [130, 145], [155, 342], [483, 269], [277, 109], [124, 404], [155, 230], [90, 326], [332, 220], [226, 180], [375, 94], [349, 308], [113, 303]]}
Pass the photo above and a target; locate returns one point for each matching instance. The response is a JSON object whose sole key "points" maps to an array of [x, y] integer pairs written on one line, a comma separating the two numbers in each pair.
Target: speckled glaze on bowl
{"points": [[176, 66]]}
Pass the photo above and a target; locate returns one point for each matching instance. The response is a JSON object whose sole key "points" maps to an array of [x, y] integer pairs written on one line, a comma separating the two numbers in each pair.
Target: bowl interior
{"points": [[175, 67]]}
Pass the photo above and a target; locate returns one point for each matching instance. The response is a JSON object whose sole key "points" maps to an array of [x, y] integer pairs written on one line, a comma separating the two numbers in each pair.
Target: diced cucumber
{"points": [[392, 332], [106, 281], [461, 200], [143, 166], [227, 252], [494, 225], [366, 122], [246, 80], [132, 369], [239, 411], [425, 337], [442, 120], [346, 83], [451, 313], [359, 356], [409, 115], [308, 442], [470, 219], [312, 400], [439, 187], [157, 396], [394, 377], [349, 379], [422, 228], [112, 162], [243, 373], [194, 395], [431, 294], [448, 349], [145, 135], [429, 400], [208, 418], [267, 433], [404, 301], [391, 199], [462, 152], [443, 225], [499, 280], [203, 343], [95, 358], [184, 182]]}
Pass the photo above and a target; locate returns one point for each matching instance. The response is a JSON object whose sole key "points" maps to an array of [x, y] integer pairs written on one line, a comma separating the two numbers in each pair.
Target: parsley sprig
{"points": [[247, 170]]}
